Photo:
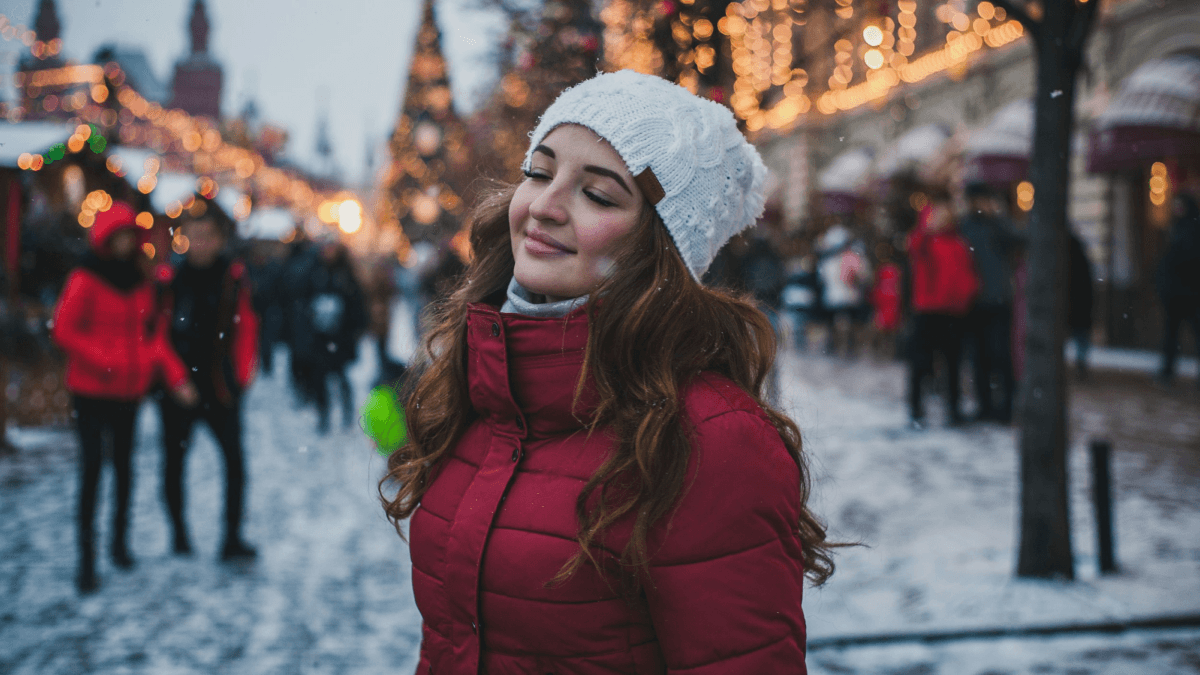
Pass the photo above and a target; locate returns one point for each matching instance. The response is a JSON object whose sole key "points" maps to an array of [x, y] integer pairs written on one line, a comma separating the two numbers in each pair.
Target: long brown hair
{"points": [[656, 329]]}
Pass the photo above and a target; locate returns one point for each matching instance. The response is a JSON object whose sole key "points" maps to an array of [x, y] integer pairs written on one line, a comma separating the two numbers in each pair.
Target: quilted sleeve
{"points": [[727, 570]]}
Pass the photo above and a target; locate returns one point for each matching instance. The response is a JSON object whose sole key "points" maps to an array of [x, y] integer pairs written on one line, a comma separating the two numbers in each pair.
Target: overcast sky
{"points": [[293, 57]]}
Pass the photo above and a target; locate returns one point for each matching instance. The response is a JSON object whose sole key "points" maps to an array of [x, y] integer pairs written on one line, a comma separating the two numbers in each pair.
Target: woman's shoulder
{"points": [[710, 395], [739, 460], [724, 420]]}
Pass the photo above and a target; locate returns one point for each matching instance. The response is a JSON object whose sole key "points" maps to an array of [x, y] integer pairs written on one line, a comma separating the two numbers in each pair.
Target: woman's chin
{"points": [[545, 282]]}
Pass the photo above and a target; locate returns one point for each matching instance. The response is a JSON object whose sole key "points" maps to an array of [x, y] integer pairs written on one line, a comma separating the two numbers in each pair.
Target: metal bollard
{"points": [[1101, 451]]}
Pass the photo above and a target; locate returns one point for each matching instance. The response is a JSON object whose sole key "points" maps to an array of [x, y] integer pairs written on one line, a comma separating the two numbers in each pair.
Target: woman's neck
{"points": [[523, 301]]}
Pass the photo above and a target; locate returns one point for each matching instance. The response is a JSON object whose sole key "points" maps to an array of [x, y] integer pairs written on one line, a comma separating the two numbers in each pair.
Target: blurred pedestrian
{"points": [[802, 298], [1178, 280], [107, 324], [265, 271], [762, 276], [887, 301], [437, 277], [336, 321], [845, 275], [573, 450], [994, 245], [380, 291], [944, 286], [215, 331], [295, 294], [1079, 302]]}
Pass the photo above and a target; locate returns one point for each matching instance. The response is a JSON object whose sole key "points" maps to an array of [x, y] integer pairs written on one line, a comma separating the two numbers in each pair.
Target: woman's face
{"points": [[122, 244], [569, 215], [205, 242]]}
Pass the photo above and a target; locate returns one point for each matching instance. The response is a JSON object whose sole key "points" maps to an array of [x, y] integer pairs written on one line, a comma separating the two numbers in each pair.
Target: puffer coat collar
{"points": [[523, 371]]}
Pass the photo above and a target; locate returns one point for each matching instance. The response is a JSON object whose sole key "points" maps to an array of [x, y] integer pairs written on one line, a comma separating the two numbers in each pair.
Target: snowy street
{"points": [[330, 593]]}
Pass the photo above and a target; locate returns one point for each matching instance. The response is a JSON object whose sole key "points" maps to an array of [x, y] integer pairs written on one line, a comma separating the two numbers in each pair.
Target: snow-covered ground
{"points": [[330, 593], [936, 511]]}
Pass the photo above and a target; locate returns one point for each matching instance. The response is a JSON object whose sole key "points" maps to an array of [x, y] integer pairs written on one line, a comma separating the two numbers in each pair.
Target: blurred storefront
{"points": [[1136, 143]]}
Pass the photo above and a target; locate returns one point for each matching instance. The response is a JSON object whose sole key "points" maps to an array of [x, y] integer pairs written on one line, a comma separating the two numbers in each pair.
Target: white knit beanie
{"points": [[685, 152]]}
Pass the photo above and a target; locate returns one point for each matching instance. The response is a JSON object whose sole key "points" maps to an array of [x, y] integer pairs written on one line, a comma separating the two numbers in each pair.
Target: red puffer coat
{"points": [[114, 338], [498, 522]]}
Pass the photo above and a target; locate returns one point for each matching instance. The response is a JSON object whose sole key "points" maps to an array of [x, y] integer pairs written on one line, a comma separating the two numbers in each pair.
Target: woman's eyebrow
{"points": [[601, 171], [545, 151]]}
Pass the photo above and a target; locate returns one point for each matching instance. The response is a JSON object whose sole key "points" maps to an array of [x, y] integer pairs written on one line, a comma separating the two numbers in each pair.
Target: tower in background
{"points": [[196, 88]]}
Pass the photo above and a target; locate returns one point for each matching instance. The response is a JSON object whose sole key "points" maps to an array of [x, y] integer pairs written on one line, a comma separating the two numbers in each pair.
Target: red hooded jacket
{"points": [[942, 269], [498, 522], [114, 338]]}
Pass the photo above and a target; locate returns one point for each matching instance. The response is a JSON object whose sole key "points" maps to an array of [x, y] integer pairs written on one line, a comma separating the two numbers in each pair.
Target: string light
{"points": [[144, 123], [1025, 195], [1159, 183]]}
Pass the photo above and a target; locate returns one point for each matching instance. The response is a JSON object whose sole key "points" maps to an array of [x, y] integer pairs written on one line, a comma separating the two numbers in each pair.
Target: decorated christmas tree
{"points": [[541, 55], [431, 166]]}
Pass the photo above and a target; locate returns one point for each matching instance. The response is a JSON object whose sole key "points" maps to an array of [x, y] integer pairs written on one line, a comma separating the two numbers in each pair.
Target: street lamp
{"points": [[349, 216]]}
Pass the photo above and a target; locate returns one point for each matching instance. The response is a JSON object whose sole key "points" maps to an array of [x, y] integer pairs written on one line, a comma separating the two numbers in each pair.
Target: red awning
{"points": [[998, 153], [1156, 115], [843, 182]]}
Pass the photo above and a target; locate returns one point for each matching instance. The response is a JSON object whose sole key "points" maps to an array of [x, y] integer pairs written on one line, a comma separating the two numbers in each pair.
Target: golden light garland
{"points": [[197, 138], [760, 38]]}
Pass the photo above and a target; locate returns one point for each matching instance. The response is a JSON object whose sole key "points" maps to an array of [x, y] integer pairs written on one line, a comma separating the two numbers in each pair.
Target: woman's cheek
{"points": [[600, 238], [518, 213]]}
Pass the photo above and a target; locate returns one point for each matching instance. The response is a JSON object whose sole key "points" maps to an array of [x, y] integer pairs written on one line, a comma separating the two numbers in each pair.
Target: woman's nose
{"points": [[550, 205]]}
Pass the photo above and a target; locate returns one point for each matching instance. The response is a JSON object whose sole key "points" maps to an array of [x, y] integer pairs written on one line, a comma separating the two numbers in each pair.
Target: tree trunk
{"points": [[1045, 539]]}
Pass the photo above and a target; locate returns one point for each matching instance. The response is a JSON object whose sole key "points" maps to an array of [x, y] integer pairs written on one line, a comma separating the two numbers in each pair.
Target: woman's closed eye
{"points": [[537, 174], [599, 198]]}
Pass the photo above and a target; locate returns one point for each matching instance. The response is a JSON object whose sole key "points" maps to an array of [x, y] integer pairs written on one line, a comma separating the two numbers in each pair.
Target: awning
{"points": [[30, 137], [999, 152], [843, 182], [132, 161], [911, 151], [1155, 115], [269, 223], [227, 199], [172, 187]]}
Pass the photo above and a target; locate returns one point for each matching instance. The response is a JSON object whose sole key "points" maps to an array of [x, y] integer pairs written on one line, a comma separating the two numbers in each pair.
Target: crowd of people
{"points": [[192, 335], [947, 288]]}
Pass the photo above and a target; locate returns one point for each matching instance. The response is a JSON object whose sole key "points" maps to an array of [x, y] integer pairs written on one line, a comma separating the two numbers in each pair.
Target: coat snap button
{"points": [[521, 424], [516, 454], [495, 329], [474, 628]]}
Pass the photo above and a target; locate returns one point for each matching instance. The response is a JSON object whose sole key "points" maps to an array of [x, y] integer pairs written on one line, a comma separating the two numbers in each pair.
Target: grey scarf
{"points": [[520, 301]]}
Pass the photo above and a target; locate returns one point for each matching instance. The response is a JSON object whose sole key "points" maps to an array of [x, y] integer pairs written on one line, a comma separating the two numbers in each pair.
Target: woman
{"points": [[596, 417], [108, 325]]}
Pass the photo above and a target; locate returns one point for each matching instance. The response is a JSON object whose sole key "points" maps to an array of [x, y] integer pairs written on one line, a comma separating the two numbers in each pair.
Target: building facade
{"points": [[1136, 143]]}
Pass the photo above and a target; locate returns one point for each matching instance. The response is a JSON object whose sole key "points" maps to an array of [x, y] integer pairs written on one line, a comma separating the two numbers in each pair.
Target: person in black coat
{"points": [[334, 320], [1178, 281], [294, 299], [214, 329], [994, 244]]}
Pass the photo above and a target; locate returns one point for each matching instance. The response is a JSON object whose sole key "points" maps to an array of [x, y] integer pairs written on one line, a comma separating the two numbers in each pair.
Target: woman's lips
{"points": [[539, 243]]}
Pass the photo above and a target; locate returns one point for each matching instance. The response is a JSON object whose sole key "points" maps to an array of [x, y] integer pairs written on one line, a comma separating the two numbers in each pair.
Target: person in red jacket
{"points": [[107, 324], [943, 289], [215, 331], [594, 480]]}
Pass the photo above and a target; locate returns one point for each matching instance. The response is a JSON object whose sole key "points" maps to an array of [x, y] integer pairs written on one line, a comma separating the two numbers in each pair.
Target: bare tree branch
{"points": [[1018, 12]]}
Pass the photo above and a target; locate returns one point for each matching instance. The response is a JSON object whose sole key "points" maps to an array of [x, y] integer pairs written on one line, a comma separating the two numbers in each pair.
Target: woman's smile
{"points": [[539, 243]]}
